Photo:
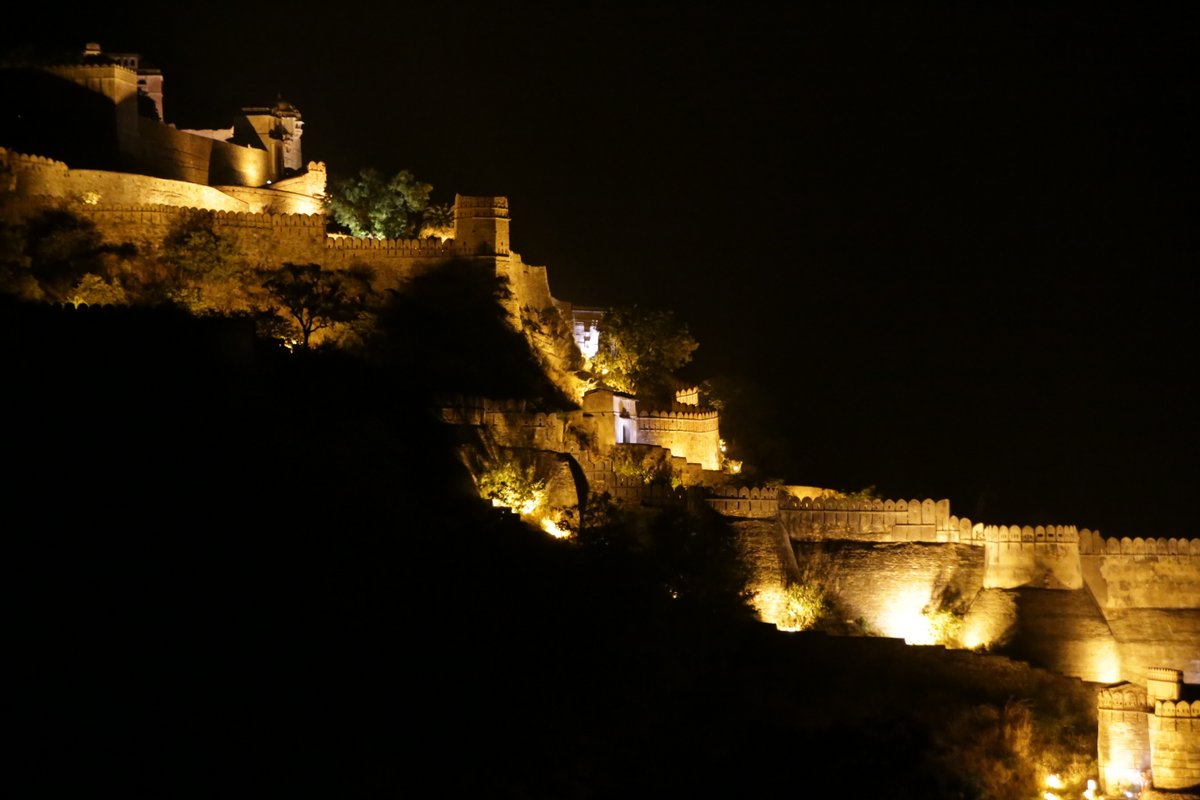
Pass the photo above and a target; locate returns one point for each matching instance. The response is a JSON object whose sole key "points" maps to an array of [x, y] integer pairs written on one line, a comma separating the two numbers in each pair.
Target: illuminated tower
{"points": [[481, 225]]}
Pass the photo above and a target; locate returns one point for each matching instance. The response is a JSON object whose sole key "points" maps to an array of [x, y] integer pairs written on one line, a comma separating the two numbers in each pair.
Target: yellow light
{"points": [[551, 527], [1055, 782], [903, 618], [1050, 796]]}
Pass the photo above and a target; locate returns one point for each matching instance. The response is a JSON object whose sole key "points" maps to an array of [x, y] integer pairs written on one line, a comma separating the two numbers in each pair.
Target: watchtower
{"points": [[481, 225]]}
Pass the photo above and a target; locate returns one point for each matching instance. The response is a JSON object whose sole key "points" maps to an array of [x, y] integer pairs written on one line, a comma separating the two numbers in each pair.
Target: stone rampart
{"points": [[748, 503], [179, 155], [1095, 544], [876, 520], [892, 586], [1045, 556], [262, 240], [513, 422], [1125, 573], [394, 260], [695, 435], [1123, 736], [38, 177], [1175, 744]]}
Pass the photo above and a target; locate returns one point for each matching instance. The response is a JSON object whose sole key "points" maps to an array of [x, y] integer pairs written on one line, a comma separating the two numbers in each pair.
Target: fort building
{"points": [[1120, 613]]}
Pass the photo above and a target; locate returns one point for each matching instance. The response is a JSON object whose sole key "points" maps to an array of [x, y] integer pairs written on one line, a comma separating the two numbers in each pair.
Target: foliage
{"points": [[57, 248], [94, 290], [640, 349], [863, 495], [437, 220], [204, 272], [689, 556], [651, 465], [945, 627], [804, 605], [995, 751], [513, 485], [317, 298], [369, 204], [193, 247]]}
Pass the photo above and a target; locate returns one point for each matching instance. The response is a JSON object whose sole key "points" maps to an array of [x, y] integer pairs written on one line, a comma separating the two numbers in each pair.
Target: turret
{"points": [[481, 225]]}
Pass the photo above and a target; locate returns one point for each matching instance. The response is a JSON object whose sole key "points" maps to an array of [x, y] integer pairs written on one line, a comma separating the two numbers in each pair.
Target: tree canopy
{"points": [[368, 204], [639, 350], [318, 298]]}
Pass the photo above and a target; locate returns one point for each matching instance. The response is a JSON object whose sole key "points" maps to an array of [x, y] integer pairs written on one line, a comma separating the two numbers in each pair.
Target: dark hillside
{"points": [[237, 572]]}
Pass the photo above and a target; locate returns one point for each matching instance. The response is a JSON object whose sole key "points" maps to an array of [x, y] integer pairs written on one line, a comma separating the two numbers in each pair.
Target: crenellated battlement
{"points": [[1127, 697], [1095, 544], [1031, 534], [406, 248], [89, 69], [1181, 708]]}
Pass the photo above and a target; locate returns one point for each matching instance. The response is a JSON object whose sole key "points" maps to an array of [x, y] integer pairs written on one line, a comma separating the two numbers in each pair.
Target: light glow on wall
{"points": [[1105, 663], [905, 618]]}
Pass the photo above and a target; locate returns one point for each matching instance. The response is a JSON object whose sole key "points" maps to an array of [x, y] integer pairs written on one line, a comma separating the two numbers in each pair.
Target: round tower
{"points": [[481, 225]]}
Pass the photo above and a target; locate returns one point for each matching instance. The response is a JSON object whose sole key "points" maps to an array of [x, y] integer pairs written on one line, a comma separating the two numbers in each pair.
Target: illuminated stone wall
{"points": [[1025, 555], [178, 155], [1175, 744], [876, 520], [512, 422], [694, 435], [1064, 631], [1142, 573], [890, 585], [481, 225], [44, 179], [1123, 737], [746, 502]]}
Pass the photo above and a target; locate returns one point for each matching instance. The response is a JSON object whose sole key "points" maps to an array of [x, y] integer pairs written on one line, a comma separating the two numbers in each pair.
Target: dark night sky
{"points": [[948, 246]]}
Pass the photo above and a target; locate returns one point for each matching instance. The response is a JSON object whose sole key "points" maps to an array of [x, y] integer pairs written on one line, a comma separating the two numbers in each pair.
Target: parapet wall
{"points": [[185, 185], [1044, 556], [694, 435], [1124, 573], [1175, 744], [747, 503], [876, 520], [1095, 544], [512, 422], [262, 240]]}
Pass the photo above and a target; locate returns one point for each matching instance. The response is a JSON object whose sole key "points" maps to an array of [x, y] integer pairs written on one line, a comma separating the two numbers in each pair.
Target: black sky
{"points": [[949, 246]]}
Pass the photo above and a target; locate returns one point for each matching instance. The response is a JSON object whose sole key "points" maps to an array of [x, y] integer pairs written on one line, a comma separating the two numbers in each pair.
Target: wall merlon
{"points": [[1181, 708], [1128, 697]]}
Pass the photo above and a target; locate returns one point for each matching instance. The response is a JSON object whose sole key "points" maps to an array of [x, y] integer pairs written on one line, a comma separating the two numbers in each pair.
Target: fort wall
{"points": [[694, 435], [178, 155], [891, 586], [745, 502], [1123, 737], [876, 520], [1045, 556], [1175, 744]]}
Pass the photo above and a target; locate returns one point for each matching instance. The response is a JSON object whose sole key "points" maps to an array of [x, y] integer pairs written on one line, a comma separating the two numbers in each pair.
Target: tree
{"points": [[61, 248], [370, 205], [640, 349], [205, 273], [437, 221], [318, 298]]}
